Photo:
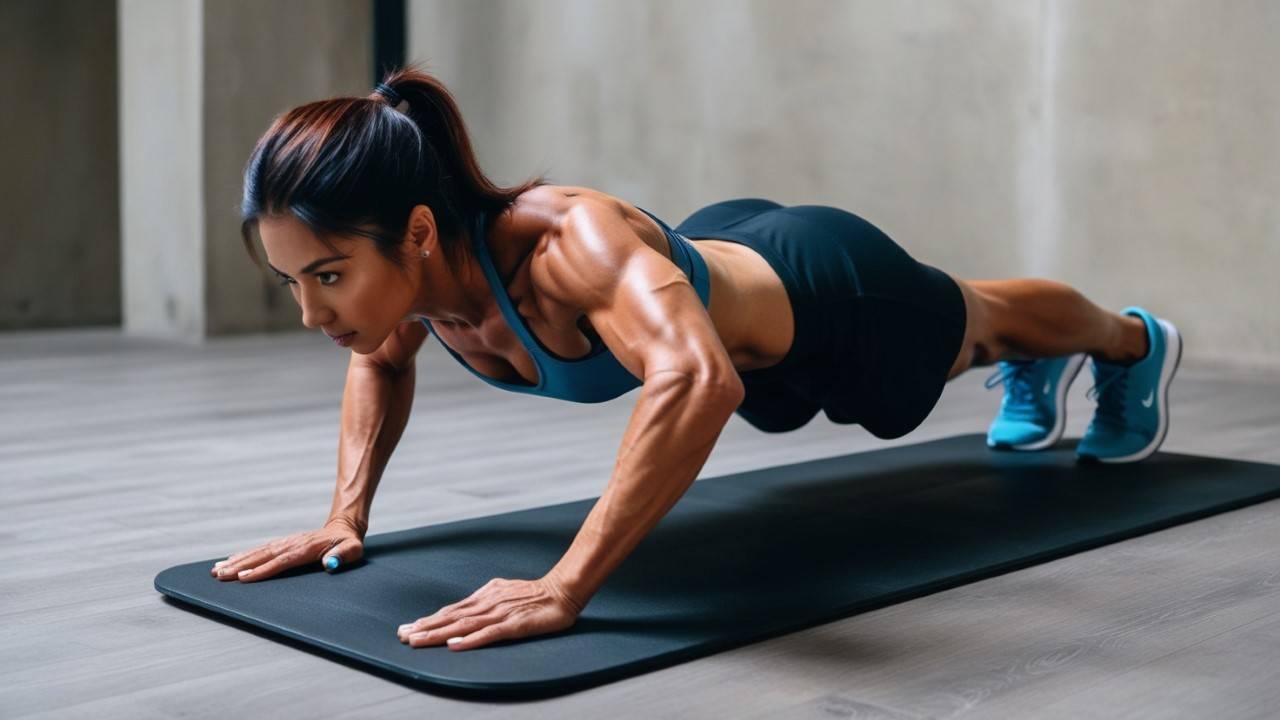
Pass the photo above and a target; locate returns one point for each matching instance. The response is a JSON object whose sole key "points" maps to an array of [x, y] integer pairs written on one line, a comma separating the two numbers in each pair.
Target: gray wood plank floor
{"points": [[120, 457]]}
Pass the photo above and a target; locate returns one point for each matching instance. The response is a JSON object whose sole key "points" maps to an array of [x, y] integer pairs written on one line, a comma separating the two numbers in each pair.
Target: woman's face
{"points": [[357, 291]]}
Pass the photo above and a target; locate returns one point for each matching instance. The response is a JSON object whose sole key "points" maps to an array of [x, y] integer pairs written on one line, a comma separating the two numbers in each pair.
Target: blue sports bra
{"points": [[597, 376]]}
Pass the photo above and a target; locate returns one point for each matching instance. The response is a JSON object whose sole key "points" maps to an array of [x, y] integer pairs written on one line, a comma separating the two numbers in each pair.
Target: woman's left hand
{"points": [[501, 610]]}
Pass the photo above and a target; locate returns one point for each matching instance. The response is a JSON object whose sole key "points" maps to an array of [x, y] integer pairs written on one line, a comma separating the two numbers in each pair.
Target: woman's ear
{"points": [[420, 233]]}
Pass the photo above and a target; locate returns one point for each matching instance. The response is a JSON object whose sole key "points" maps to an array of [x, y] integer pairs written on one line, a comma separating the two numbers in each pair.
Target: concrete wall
{"points": [[1129, 149], [1165, 162], [60, 236]]}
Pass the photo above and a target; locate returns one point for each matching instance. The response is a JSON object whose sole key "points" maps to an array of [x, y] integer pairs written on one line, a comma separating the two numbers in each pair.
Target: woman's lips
{"points": [[344, 340]]}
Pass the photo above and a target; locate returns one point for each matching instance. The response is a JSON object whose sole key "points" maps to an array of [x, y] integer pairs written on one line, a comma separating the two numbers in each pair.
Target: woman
{"points": [[385, 229]]}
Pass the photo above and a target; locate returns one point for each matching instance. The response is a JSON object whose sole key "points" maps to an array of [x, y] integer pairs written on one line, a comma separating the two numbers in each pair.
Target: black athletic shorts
{"points": [[875, 331]]}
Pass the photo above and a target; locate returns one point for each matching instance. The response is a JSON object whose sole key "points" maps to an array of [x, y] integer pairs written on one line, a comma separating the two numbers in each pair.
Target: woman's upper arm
{"points": [[401, 346], [639, 302]]}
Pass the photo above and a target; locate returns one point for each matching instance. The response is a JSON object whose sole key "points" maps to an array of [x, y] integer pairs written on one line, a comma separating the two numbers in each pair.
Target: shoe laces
{"points": [[1015, 376], [1110, 392]]}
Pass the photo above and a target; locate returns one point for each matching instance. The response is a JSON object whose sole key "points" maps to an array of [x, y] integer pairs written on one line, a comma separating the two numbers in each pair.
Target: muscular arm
{"points": [[648, 314], [672, 430], [375, 409], [376, 402]]}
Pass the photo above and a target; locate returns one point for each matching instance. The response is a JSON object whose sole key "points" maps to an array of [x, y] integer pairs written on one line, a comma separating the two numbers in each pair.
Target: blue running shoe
{"points": [[1133, 400], [1033, 414]]}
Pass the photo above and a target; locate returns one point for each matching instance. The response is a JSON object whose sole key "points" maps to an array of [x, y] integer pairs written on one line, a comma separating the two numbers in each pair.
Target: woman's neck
{"points": [[453, 298]]}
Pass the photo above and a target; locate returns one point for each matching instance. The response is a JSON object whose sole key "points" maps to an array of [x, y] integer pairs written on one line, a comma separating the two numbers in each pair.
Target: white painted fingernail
{"points": [[455, 640]]}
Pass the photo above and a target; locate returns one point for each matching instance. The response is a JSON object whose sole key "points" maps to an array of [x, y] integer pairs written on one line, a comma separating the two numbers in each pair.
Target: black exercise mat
{"points": [[740, 558]]}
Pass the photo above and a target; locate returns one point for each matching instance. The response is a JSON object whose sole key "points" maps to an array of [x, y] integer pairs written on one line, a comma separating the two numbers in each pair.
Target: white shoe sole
{"points": [[1068, 376], [1172, 356]]}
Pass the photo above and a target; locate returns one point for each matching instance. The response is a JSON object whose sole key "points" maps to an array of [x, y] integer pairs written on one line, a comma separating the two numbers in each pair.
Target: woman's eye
{"points": [[289, 281]]}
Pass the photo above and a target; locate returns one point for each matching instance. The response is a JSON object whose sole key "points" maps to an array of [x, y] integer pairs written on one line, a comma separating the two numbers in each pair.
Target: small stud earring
{"points": [[426, 253]]}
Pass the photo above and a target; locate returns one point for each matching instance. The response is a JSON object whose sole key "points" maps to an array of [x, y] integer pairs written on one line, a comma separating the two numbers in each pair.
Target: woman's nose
{"points": [[314, 313]]}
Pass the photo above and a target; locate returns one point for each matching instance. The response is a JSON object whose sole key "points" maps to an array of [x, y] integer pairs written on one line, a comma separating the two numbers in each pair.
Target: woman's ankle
{"points": [[1132, 345]]}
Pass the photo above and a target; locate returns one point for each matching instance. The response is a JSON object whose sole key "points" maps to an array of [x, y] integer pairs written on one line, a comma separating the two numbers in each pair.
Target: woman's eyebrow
{"points": [[313, 265]]}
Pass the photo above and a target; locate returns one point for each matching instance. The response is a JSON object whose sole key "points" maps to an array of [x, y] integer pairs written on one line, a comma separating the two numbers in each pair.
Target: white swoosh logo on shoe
{"points": [[1151, 396], [1046, 387]]}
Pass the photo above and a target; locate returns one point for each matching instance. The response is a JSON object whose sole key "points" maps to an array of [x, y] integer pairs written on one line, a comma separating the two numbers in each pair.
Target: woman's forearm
{"points": [[375, 409], [672, 431]]}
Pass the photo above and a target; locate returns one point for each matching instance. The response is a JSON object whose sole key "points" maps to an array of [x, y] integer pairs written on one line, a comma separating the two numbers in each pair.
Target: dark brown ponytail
{"points": [[346, 164]]}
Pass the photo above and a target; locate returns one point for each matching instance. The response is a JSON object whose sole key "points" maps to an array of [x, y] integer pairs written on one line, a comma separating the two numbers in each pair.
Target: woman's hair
{"points": [[357, 166]]}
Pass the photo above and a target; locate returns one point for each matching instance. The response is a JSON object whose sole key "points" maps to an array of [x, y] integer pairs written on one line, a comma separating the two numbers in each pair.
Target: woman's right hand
{"points": [[335, 545]]}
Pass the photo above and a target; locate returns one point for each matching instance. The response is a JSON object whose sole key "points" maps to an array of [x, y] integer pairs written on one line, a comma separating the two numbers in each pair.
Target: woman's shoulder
{"points": [[536, 224], [542, 211], [531, 227], [554, 201], [536, 220]]}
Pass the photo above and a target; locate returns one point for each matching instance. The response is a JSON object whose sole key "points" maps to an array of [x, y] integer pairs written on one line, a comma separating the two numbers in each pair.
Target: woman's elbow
{"points": [[723, 387], [706, 387]]}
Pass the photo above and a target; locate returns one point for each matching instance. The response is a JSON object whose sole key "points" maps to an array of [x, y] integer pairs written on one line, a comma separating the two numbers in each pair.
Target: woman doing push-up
{"points": [[373, 210]]}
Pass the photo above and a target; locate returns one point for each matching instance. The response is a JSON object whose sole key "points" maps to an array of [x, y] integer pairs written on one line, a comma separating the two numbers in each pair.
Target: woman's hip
{"points": [[876, 330]]}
